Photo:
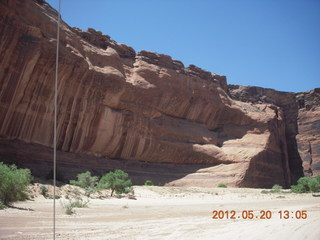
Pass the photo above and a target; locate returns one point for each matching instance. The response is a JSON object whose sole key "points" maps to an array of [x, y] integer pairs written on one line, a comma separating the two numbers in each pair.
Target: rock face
{"points": [[143, 112], [309, 131], [302, 119], [280, 100]]}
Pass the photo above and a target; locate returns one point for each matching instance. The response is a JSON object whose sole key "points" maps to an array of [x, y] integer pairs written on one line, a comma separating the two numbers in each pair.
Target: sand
{"points": [[168, 213]]}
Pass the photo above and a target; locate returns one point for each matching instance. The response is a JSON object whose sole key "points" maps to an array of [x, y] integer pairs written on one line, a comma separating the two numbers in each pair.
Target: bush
{"points": [[2, 205], [44, 191], [117, 181], [298, 189], [148, 183], [276, 188], [307, 184], [221, 185], [265, 191], [13, 183], [318, 178], [54, 197], [85, 180]]}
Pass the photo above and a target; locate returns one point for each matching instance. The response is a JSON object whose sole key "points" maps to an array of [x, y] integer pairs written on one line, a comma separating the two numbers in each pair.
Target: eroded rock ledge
{"points": [[126, 107]]}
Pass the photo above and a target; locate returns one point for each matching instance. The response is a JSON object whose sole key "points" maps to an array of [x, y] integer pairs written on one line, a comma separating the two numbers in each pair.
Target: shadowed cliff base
{"points": [[39, 159]]}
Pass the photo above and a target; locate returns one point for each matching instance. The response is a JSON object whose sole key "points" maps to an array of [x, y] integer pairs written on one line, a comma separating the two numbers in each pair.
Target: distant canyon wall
{"points": [[302, 118], [142, 109]]}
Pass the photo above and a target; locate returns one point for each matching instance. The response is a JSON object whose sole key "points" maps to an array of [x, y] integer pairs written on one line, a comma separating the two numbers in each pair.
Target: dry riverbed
{"points": [[167, 213]]}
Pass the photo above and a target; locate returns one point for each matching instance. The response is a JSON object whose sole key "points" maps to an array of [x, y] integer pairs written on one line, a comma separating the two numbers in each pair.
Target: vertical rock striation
{"points": [[143, 112], [287, 103], [309, 131]]}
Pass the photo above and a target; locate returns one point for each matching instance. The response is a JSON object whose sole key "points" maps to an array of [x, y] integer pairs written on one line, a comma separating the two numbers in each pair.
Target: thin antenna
{"points": [[55, 125]]}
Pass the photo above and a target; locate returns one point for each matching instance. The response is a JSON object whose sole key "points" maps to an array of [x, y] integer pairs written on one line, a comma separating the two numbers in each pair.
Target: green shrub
{"points": [[276, 188], [118, 181], [52, 197], [44, 191], [298, 189], [2, 205], [265, 191], [148, 183], [221, 185], [13, 183], [307, 184], [85, 180], [318, 178]]}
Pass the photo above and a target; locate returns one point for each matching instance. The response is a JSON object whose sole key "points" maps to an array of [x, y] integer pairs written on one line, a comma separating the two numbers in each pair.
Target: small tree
{"points": [[85, 180], [13, 183], [118, 181]]}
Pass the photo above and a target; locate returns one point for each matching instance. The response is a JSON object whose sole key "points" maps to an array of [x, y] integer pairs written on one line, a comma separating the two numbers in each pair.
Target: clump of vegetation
{"points": [[75, 203], [118, 181], [148, 183], [306, 185], [2, 205], [85, 180], [13, 183], [221, 185], [68, 209], [44, 191], [54, 197], [275, 189]]}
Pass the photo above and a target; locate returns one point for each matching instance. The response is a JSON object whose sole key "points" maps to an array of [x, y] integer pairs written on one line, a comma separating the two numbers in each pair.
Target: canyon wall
{"points": [[309, 131], [302, 120], [142, 112]]}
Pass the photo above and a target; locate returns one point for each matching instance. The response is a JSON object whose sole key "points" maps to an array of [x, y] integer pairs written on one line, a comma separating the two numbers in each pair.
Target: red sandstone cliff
{"points": [[309, 131], [144, 112]]}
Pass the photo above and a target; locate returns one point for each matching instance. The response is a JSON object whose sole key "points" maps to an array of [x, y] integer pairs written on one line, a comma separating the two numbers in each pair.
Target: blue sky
{"points": [[268, 43]]}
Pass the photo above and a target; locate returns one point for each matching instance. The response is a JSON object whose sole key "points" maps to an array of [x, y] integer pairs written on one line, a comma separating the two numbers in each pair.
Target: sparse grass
{"points": [[76, 203], [68, 209], [221, 185], [79, 203], [275, 189], [265, 191], [125, 206]]}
